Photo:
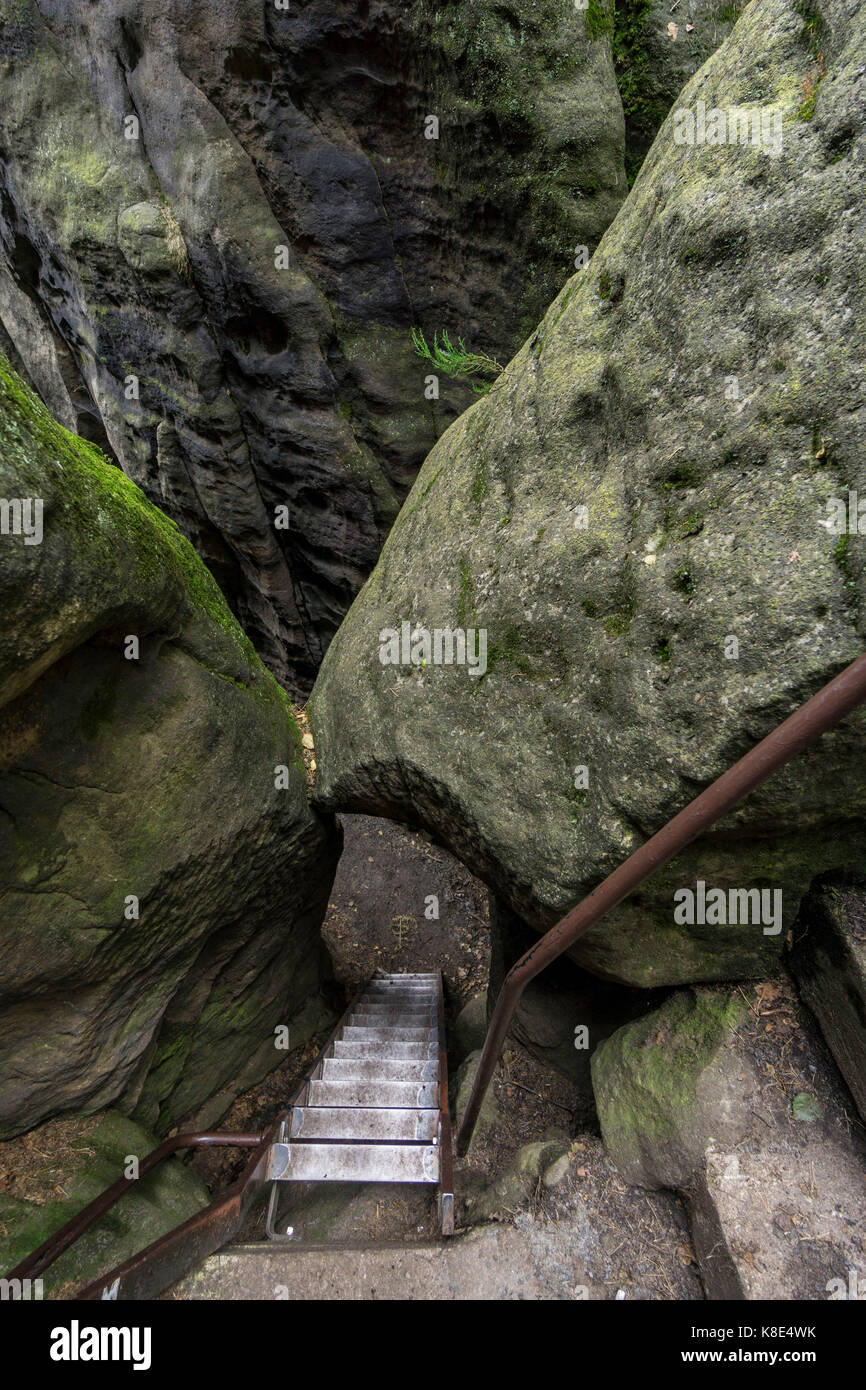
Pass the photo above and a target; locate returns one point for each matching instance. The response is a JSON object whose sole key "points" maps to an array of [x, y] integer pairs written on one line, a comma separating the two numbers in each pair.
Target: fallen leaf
{"points": [[673, 30], [767, 991]]}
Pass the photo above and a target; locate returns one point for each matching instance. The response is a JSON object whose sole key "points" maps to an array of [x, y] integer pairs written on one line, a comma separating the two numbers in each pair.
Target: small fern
{"points": [[456, 360]]}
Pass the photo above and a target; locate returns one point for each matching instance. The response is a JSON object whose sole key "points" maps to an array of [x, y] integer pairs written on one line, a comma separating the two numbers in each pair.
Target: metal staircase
{"points": [[374, 1107]]}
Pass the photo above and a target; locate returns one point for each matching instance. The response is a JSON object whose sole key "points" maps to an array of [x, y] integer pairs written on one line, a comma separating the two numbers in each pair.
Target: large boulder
{"points": [[730, 1097], [163, 878], [636, 516], [220, 222], [669, 1083]]}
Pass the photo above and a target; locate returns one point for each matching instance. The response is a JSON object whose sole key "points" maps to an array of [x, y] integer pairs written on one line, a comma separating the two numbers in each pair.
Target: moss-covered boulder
{"points": [[461, 1089], [65, 1164], [222, 222], [663, 1085], [163, 878], [730, 1097], [637, 519], [470, 1027], [499, 1197]]}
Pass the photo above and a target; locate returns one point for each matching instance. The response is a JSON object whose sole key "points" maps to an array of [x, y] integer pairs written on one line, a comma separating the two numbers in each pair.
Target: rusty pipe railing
{"points": [[52, 1248], [831, 704]]}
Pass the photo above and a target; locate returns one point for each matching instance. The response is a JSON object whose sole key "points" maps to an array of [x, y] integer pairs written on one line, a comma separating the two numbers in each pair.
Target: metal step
{"points": [[377, 1069], [401, 991], [355, 1163], [382, 1019], [397, 1002], [402, 982], [389, 1007], [432, 976], [399, 1094], [369, 1033], [350, 1046], [317, 1122]]}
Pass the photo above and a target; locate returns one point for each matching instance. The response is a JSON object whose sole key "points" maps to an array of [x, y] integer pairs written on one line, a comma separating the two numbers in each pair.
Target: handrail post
{"points": [[832, 703]]}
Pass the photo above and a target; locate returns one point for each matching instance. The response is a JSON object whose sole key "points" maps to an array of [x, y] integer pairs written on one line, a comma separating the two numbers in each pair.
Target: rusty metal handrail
{"points": [[52, 1248], [446, 1173], [831, 704]]}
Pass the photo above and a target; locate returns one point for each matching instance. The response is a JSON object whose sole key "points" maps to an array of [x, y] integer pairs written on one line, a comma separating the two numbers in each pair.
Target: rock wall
{"points": [[163, 878], [219, 221]]}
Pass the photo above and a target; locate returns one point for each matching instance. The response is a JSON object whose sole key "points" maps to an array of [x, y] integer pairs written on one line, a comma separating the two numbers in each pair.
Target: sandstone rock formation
{"points": [[219, 222], [730, 1097], [163, 883], [637, 516]]}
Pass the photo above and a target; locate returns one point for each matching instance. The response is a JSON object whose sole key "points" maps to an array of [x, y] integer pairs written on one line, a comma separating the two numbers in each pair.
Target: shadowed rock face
{"points": [[162, 885], [144, 294], [646, 481]]}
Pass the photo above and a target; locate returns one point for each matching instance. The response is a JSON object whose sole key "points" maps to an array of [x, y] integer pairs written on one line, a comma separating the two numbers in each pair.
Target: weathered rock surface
{"points": [[669, 1083], [160, 896], [647, 480], [829, 963], [511, 1189], [156, 156], [78, 1158], [730, 1097], [780, 1224], [460, 1090], [531, 1263]]}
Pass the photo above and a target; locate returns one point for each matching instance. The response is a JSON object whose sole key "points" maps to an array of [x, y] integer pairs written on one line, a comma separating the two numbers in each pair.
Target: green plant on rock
{"points": [[598, 21], [644, 101], [455, 360], [812, 35]]}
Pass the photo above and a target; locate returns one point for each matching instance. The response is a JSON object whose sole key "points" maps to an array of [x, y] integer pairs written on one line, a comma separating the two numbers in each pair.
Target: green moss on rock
{"points": [[649, 1079]]}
